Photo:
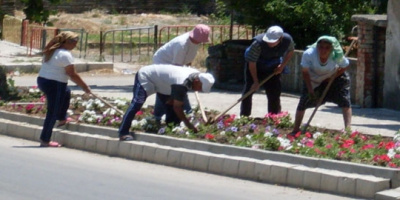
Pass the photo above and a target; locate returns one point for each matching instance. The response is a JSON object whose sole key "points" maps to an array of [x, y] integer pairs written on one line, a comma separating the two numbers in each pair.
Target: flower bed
{"points": [[269, 133]]}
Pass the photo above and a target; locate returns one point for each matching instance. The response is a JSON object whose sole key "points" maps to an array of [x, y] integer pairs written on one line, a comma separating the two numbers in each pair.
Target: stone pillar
{"points": [[392, 58], [370, 55]]}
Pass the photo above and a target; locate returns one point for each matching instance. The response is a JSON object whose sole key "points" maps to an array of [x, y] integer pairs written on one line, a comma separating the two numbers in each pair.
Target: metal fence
{"points": [[130, 44], [218, 34]]}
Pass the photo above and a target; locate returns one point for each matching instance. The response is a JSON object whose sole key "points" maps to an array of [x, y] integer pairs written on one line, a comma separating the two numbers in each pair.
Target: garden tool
{"points": [[203, 114], [108, 104], [241, 99], [331, 79]]}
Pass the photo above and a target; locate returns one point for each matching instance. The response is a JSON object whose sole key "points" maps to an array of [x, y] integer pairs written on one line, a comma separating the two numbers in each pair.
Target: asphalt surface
{"points": [[29, 172]]}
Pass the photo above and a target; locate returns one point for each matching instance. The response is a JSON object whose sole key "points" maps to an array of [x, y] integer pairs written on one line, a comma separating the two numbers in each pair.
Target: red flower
{"points": [[319, 151], [308, 134], [139, 113], [354, 134], [352, 150], [392, 164], [381, 158], [347, 143], [381, 145], [389, 145], [397, 156], [368, 146], [328, 146], [297, 134], [209, 136], [363, 137]]}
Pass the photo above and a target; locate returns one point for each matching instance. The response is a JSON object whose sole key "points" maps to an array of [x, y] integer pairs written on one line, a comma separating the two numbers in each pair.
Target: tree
{"points": [[35, 10], [305, 20]]}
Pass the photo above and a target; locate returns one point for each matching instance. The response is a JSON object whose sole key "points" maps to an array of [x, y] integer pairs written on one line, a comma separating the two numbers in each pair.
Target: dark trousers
{"points": [[171, 116], [160, 108], [138, 99], [58, 96], [272, 89]]}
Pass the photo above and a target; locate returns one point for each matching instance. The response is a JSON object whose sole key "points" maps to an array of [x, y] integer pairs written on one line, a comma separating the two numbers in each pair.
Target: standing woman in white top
{"points": [[320, 61], [53, 77]]}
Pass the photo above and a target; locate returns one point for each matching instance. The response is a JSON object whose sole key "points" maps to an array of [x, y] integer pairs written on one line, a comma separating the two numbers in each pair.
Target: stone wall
{"points": [[391, 90], [371, 59]]}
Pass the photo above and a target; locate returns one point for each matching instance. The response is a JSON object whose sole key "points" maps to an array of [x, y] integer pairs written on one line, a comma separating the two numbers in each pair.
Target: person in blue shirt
{"points": [[268, 54]]}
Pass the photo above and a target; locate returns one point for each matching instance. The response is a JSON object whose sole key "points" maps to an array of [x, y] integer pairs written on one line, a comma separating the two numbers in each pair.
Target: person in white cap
{"points": [[180, 51], [268, 54], [171, 83]]}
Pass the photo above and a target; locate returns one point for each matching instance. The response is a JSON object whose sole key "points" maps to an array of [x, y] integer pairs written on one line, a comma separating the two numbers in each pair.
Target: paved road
{"points": [[373, 121], [29, 172]]}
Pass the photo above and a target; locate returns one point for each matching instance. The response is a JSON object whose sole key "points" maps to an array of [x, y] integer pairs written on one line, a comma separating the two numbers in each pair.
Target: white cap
{"points": [[273, 34], [207, 81]]}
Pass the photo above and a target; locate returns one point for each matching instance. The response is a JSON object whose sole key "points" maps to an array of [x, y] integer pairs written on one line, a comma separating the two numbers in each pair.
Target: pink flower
{"points": [[340, 153], [397, 156], [352, 151], [381, 158], [29, 107], [209, 136], [308, 134], [328, 146], [43, 98], [310, 143]]}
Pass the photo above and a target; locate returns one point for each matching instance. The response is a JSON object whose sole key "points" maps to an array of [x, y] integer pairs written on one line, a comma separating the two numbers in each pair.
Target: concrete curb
{"points": [[270, 167], [79, 67]]}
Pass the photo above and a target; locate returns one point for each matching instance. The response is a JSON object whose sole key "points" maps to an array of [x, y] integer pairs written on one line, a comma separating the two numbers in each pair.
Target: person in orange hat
{"points": [[180, 51]]}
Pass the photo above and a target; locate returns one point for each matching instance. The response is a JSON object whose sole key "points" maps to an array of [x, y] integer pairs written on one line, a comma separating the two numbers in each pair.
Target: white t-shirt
{"points": [[319, 72], [179, 51], [159, 78], [54, 69]]}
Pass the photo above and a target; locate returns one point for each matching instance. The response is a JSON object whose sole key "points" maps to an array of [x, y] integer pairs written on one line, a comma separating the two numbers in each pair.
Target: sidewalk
{"points": [[366, 120]]}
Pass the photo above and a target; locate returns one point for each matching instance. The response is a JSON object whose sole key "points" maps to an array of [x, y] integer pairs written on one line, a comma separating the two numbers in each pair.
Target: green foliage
{"points": [[36, 12], [305, 20], [8, 90]]}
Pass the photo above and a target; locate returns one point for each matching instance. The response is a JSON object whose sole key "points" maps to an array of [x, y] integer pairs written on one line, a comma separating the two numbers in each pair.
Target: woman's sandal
{"points": [[64, 122], [50, 144]]}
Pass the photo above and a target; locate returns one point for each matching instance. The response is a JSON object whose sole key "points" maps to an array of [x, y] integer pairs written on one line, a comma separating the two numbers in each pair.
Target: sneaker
{"points": [[126, 138], [50, 144]]}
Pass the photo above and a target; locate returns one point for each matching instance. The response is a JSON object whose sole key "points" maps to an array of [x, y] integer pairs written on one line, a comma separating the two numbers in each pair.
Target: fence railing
{"points": [[218, 34], [12, 29], [138, 41], [38, 37]]}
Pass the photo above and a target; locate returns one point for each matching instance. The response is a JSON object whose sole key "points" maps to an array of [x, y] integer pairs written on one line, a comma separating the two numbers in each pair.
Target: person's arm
{"points": [[70, 71], [286, 59], [251, 56], [307, 80], [253, 73], [178, 108]]}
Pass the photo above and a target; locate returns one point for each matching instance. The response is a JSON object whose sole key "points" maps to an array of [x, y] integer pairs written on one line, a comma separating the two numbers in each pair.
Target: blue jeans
{"points": [[160, 107], [58, 96], [138, 99]]}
